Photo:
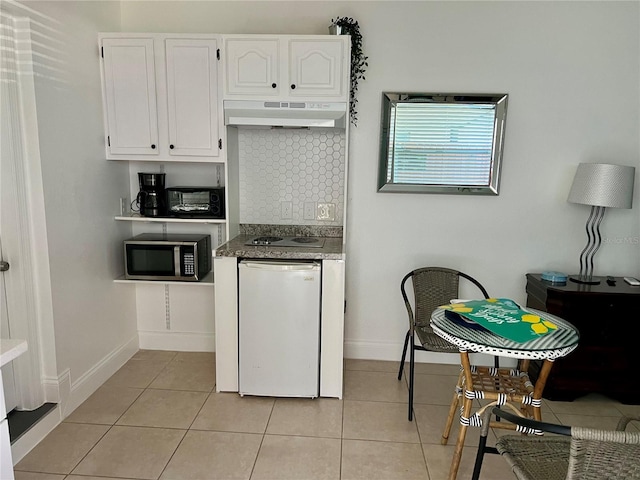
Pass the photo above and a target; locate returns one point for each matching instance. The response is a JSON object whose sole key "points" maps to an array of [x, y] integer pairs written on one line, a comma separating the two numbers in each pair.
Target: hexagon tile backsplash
{"points": [[286, 173]]}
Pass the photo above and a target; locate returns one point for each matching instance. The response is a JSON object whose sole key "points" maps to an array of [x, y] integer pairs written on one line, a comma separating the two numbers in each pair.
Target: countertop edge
{"points": [[280, 254], [10, 349]]}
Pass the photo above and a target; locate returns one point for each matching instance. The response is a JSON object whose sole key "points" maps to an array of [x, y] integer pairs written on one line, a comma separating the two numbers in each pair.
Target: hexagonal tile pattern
{"points": [[297, 166]]}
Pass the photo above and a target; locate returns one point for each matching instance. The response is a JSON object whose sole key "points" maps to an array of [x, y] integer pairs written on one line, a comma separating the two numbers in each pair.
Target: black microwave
{"points": [[181, 257], [195, 202]]}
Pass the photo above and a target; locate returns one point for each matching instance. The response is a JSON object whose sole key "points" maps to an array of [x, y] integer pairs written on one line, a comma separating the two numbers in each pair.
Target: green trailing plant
{"points": [[359, 61]]}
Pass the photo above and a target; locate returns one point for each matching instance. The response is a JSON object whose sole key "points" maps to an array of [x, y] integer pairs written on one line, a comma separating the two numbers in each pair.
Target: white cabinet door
{"points": [[252, 67], [192, 108], [130, 96], [316, 67]]}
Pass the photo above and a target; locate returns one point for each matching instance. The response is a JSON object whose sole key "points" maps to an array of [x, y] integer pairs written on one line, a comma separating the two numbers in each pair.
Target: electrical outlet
{"points": [[326, 212], [124, 206], [309, 211], [285, 210]]}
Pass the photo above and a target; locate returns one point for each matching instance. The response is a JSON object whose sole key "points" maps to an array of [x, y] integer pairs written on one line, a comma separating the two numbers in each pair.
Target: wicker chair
{"points": [[578, 454], [432, 287]]}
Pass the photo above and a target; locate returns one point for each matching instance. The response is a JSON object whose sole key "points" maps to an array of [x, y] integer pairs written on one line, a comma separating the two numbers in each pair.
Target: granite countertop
{"points": [[333, 248]]}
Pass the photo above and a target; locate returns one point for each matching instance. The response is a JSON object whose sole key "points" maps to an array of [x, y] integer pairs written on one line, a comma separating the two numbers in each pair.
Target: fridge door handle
{"points": [[277, 266]]}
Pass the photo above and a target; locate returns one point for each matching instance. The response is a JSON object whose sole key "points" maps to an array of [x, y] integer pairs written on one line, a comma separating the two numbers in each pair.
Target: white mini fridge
{"points": [[279, 328]]}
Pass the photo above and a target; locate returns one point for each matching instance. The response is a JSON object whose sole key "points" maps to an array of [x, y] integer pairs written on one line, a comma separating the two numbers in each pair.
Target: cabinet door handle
{"points": [[273, 85], [153, 146], [293, 86], [171, 147]]}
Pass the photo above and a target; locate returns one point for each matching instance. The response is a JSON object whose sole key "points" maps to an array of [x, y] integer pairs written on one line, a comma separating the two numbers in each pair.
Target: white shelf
{"points": [[130, 158], [207, 281], [137, 218]]}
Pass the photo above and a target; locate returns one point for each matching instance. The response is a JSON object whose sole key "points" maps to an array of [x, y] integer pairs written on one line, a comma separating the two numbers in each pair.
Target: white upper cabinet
{"points": [[253, 66], [192, 97], [130, 96], [300, 67], [316, 68], [161, 97]]}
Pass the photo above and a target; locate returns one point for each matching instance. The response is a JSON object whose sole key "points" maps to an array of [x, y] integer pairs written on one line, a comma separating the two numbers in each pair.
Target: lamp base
{"points": [[585, 280]]}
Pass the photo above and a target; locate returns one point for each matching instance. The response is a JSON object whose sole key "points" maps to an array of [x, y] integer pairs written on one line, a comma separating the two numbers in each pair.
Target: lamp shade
{"points": [[603, 185]]}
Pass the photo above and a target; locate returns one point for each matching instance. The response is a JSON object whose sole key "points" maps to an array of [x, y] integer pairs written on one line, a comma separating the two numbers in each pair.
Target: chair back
{"points": [[432, 287], [591, 454], [599, 454]]}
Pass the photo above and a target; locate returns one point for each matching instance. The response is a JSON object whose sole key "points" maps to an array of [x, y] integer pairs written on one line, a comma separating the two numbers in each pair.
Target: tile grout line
{"points": [[186, 431], [114, 423], [404, 380], [90, 450], [99, 439], [173, 454], [194, 418], [253, 467], [415, 421]]}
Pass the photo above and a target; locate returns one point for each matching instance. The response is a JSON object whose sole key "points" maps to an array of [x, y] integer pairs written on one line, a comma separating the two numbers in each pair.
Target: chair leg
{"points": [[457, 454], [455, 401], [479, 457], [482, 445], [404, 354], [496, 363], [412, 355]]}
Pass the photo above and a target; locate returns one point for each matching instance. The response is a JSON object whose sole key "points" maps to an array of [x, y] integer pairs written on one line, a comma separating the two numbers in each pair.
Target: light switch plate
{"points": [[326, 212]]}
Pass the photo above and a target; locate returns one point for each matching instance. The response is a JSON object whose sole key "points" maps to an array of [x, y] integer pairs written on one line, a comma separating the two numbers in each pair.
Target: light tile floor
{"points": [[158, 417]]}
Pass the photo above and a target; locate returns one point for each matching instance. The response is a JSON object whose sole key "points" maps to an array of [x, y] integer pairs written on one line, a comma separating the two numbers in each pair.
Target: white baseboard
{"points": [[35, 434], [56, 388], [91, 380], [177, 341], [69, 396], [393, 351], [64, 388]]}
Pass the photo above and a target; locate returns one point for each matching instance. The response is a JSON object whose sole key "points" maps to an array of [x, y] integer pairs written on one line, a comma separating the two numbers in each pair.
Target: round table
{"points": [[500, 386], [556, 344]]}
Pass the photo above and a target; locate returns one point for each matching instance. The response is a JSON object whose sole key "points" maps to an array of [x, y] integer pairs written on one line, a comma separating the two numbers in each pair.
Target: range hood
{"points": [[284, 114]]}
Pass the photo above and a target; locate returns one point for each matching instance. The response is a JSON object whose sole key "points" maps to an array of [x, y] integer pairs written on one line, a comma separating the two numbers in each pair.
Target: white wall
{"points": [[94, 318], [572, 72]]}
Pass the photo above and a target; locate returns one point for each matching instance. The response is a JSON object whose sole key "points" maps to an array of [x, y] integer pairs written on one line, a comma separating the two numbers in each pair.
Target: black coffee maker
{"points": [[151, 197]]}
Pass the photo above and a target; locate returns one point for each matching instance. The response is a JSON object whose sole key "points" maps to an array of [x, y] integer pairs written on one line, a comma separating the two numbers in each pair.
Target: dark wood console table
{"points": [[607, 359]]}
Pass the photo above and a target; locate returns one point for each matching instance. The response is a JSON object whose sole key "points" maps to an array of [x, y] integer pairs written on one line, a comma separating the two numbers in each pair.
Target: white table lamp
{"points": [[600, 185]]}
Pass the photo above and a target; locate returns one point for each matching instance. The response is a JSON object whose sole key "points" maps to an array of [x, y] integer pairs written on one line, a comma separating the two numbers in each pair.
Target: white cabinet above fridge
{"points": [[283, 67]]}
